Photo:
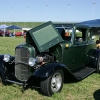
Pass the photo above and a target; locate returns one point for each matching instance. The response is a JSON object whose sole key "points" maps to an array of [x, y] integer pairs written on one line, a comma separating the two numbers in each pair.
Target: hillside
{"points": [[26, 24]]}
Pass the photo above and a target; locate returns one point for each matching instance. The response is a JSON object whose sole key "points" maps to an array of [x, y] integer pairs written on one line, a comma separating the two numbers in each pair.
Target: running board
{"points": [[24, 85], [14, 82], [80, 74]]}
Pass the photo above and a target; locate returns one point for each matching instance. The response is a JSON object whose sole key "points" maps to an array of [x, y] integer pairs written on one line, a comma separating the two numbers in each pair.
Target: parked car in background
{"points": [[5, 33], [1, 33], [18, 34], [52, 55]]}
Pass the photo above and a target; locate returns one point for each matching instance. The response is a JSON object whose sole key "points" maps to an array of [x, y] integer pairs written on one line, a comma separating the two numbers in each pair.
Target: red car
{"points": [[6, 33], [18, 34], [1, 33]]}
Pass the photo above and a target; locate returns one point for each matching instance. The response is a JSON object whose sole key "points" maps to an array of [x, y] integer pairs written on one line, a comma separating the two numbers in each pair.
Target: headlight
{"points": [[31, 61], [7, 57]]}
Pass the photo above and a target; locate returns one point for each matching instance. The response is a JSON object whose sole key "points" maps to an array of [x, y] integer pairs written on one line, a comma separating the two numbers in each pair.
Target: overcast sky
{"points": [[49, 10]]}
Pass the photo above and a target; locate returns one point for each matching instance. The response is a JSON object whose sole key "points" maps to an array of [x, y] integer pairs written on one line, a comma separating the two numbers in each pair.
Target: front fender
{"points": [[2, 69], [47, 69], [10, 66]]}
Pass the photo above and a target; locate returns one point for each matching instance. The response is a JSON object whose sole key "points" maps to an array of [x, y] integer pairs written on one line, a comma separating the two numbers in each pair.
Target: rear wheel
{"points": [[53, 83], [98, 65]]}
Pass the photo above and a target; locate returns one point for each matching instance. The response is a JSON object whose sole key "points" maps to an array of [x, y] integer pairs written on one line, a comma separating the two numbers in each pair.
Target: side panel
{"points": [[67, 56], [92, 58], [79, 55], [64, 54]]}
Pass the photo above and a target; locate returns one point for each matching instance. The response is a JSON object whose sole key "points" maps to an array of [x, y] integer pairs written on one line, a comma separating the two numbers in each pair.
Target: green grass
{"points": [[7, 45], [86, 89]]}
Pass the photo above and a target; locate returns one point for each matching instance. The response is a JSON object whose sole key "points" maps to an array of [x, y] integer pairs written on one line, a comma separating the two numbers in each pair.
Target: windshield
{"points": [[80, 34], [65, 32]]}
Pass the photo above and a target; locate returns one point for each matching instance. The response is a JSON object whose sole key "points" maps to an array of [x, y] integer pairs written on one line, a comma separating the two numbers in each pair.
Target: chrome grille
{"points": [[22, 71]]}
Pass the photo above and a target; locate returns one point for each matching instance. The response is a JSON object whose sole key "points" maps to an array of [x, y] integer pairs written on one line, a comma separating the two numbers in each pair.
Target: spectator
{"points": [[12, 34], [99, 35], [98, 44], [67, 33], [25, 31]]}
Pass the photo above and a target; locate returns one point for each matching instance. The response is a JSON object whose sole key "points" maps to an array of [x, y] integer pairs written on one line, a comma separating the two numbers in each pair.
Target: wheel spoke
{"points": [[53, 82], [56, 82]]}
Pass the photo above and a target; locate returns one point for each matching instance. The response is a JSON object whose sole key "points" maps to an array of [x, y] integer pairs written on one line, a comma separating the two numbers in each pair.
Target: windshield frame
{"points": [[61, 31]]}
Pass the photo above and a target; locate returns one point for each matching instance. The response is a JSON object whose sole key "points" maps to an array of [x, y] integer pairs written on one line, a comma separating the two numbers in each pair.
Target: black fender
{"points": [[10, 66], [2, 69], [92, 57], [43, 72], [6, 66], [46, 70]]}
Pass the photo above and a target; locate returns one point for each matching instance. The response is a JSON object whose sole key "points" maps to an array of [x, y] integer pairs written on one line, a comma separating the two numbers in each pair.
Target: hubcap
{"points": [[56, 82]]}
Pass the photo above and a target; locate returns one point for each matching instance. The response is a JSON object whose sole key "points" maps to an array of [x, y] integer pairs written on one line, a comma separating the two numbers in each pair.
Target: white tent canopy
{"points": [[3, 26]]}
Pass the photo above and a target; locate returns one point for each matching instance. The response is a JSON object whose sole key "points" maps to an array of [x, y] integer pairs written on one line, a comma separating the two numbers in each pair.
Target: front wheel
{"points": [[53, 83]]}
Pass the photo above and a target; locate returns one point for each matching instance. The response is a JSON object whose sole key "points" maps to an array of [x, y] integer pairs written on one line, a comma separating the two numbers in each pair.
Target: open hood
{"points": [[44, 36]]}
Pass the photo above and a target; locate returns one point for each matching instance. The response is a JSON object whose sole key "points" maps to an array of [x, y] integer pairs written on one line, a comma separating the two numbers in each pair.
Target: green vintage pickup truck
{"points": [[50, 56]]}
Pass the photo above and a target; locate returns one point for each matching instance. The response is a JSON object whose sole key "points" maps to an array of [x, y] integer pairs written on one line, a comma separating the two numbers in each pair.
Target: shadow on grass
{"points": [[37, 89], [96, 95]]}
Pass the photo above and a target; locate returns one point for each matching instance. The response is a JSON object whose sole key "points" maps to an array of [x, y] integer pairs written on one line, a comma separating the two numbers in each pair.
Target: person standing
{"points": [[98, 41], [99, 35]]}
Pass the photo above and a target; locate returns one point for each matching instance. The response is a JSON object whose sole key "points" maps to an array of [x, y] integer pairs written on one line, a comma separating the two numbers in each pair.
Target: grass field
{"points": [[87, 89]]}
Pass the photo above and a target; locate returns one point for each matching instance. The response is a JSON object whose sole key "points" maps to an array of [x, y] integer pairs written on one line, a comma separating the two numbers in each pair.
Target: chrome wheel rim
{"points": [[56, 82]]}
